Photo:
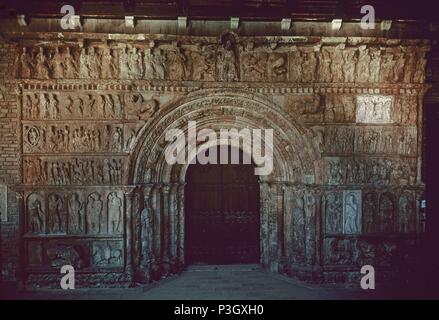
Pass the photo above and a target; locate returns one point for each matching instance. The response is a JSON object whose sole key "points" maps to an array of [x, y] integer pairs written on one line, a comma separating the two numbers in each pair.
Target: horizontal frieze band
{"points": [[189, 86]]}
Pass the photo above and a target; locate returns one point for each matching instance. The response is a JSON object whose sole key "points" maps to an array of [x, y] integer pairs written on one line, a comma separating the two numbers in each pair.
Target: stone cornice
{"points": [[34, 38]]}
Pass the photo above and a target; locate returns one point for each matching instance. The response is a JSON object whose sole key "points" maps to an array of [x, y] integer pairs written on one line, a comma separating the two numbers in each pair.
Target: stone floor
{"points": [[213, 282]]}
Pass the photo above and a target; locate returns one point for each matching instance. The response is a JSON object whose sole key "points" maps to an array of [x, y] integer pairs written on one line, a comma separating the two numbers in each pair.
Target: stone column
{"points": [[273, 223], [181, 225], [144, 237], [287, 223], [165, 229], [310, 227], [319, 233], [173, 220], [156, 222], [281, 188], [264, 232], [128, 199]]}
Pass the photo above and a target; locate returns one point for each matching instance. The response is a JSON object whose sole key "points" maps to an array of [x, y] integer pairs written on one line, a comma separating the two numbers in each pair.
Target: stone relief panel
{"points": [[55, 254], [385, 218], [36, 213], [374, 109], [203, 63], [115, 213], [389, 212], [389, 140], [357, 251], [107, 254], [406, 109], [374, 171], [228, 60], [339, 108], [339, 251], [69, 106], [352, 212], [406, 213], [309, 108], [72, 171], [131, 133], [75, 212], [339, 140], [333, 210], [95, 217], [298, 230], [254, 66], [81, 254], [370, 209], [79, 138], [56, 214], [139, 107], [295, 226], [277, 67]]}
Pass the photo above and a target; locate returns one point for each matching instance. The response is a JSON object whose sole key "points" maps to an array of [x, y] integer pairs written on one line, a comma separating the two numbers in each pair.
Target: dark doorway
{"points": [[222, 213], [431, 178]]}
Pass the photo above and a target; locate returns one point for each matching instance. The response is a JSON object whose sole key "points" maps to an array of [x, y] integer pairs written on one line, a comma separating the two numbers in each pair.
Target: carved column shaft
{"points": [[157, 221], [181, 224], [265, 212], [128, 195], [173, 222], [165, 227]]}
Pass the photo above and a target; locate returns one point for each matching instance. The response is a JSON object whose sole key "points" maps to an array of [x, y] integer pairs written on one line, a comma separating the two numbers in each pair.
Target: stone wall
{"points": [[83, 139], [10, 155]]}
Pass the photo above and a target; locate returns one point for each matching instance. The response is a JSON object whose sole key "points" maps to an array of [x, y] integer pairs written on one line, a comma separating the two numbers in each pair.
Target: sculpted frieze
{"points": [[375, 171], [357, 251], [309, 108], [68, 106], [81, 254], [339, 140], [387, 212], [406, 109], [339, 108], [46, 138], [389, 140], [72, 171], [74, 212], [226, 60], [57, 254]]}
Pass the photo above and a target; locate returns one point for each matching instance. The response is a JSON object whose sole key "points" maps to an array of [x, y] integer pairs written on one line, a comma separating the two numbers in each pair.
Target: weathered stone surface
{"points": [[95, 191]]}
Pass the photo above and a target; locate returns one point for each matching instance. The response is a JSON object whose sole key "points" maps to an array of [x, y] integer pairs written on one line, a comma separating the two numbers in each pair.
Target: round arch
{"points": [[161, 243]]}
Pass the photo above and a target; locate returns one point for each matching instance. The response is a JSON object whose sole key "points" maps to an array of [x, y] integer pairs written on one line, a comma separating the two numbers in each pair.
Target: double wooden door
{"points": [[222, 214]]}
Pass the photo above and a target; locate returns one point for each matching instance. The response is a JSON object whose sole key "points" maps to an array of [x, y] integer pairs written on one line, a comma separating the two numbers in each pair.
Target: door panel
{"points": [[222, 214]]}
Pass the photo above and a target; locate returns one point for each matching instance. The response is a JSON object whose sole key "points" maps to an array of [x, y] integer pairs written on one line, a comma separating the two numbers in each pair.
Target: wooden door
{"points": [[222, 214]]}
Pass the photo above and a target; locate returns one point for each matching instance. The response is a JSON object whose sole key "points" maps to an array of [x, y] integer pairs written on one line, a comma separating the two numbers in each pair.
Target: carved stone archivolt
{"points": [[245, 112]]}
